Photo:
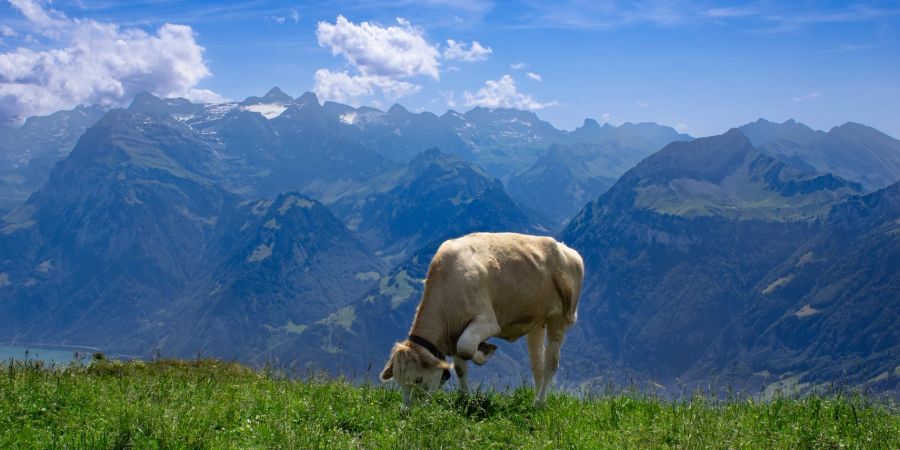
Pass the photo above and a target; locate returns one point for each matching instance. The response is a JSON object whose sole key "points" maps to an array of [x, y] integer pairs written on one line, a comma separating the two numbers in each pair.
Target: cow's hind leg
{"points": [[535, 339], [461, 367], [479, 330], [556, 330]]}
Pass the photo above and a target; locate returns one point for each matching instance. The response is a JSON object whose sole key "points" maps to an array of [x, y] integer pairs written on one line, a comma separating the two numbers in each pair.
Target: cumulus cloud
{"points": [[517, 66], [346, 88], [385, 60], [96, 63], [399, 50], [534, 76], [457, 50], [203, 96], [503, 93]]}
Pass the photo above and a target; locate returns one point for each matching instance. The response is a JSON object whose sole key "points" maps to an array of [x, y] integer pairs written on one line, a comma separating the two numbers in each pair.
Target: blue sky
{"points": [[700, 66]]}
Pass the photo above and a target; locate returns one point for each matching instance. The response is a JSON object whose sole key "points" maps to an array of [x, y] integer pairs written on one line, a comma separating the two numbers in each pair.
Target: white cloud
{"points": [[534, 76], [295, 15], [203, 96], [96, 63], [37, 15], [606, 116], [806, 97], [449, 98], [503, 93], [641, 104], [346, 88], [517, 66], [7, 31], [681, 127], [457, 50], [279, 19], [395, 51]]}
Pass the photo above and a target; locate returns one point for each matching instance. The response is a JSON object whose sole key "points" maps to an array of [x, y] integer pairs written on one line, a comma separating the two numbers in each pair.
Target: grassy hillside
{"points": [[210, 404]]}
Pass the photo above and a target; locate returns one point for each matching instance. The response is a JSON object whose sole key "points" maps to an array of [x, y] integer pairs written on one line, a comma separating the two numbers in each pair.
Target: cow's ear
{"points": [[388, 371]]}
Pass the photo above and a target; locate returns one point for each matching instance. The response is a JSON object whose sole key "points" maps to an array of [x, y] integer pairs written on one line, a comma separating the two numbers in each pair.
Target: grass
{"points": [[213, 404]]}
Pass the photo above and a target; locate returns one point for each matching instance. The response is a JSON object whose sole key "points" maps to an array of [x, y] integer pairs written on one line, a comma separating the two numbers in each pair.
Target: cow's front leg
{"points": [[469, 345], [462, 372]]}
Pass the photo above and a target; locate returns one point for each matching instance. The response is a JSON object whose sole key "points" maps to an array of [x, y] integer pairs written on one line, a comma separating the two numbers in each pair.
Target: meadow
{"points": [[214, 404]]}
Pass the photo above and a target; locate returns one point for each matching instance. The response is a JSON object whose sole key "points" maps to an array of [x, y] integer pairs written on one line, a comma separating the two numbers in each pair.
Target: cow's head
{"points": [[415, 369]]}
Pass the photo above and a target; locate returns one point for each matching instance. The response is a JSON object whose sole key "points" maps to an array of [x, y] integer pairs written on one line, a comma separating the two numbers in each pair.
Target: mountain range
{"points": [[282, 229]]}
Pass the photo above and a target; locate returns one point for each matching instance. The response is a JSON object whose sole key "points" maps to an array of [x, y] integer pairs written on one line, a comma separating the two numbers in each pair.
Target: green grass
{"points": [[211, 404]]}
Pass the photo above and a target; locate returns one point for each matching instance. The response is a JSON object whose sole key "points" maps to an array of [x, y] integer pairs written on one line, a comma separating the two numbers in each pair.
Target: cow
{"points": [[485, 285]]}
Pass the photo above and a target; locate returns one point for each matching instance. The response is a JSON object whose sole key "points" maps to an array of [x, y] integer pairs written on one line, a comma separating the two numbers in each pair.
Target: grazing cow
{"points": [[487, 285]]}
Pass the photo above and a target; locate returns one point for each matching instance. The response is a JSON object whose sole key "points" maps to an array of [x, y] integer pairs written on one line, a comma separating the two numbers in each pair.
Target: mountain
{"points": [[852, 151], [398, 134], [276, 143], [112, 236], [828, 313], [436, 196], [644, 137], [284, 230], [726, 176], [567, 176], [28, 153], [274, 266], [693, 244]]}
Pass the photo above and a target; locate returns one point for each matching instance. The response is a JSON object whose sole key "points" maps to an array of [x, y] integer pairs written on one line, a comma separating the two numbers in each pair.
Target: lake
{"points": [[50, 356]]}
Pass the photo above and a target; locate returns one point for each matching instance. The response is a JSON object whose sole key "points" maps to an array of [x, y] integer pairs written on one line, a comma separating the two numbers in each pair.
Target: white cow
{"points": [[487, 285]]}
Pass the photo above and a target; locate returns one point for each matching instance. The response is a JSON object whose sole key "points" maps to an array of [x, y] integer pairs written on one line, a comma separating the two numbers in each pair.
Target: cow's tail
{"points": [[568, 282]]}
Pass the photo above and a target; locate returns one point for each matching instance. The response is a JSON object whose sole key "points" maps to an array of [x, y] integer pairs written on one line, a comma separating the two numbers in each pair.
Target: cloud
{"points": [[384, 59], [279, 19], [7, 31], [681, 127], [806, 97], [395, 51], [606, 116], [449, 98], [346, 88], [203, 96], [732, 12], [534, 76], [96, 63], [518, 66], [503, 93], [844, 48], [456, 50], [641, 104], [295, 16], [612, 14]]}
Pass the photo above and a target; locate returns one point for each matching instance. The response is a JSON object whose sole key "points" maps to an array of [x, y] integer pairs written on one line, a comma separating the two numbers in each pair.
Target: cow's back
{"points": [[522, 280]]}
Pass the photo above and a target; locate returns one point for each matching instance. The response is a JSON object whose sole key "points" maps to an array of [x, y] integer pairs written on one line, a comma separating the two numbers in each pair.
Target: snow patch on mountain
{"points": [[268, 110]]}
